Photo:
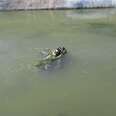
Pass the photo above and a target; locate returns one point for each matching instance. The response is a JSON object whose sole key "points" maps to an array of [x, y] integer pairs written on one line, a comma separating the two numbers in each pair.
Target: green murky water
{"points": [[85, 86]]}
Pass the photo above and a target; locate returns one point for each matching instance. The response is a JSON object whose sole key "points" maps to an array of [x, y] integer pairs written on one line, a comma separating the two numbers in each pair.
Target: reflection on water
{"points": [[82, 84], [91, 14]]}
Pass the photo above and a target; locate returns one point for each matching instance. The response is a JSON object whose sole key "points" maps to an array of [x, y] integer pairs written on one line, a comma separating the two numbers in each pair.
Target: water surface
{"points": [[84, 86]]}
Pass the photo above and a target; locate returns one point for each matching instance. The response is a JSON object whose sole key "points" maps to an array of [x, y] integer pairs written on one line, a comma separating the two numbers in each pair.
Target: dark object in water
{"points": [[51, 58]]}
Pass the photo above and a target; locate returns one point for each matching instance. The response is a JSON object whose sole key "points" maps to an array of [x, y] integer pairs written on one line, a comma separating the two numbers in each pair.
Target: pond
{"points": [[86, 83]]}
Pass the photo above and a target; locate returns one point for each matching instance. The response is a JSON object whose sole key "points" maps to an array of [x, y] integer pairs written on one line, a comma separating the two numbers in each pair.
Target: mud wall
{"points": [[54, 4]]}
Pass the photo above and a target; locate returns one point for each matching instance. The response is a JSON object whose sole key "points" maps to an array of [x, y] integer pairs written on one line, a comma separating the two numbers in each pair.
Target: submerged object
{"points": [[51, 58]]}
